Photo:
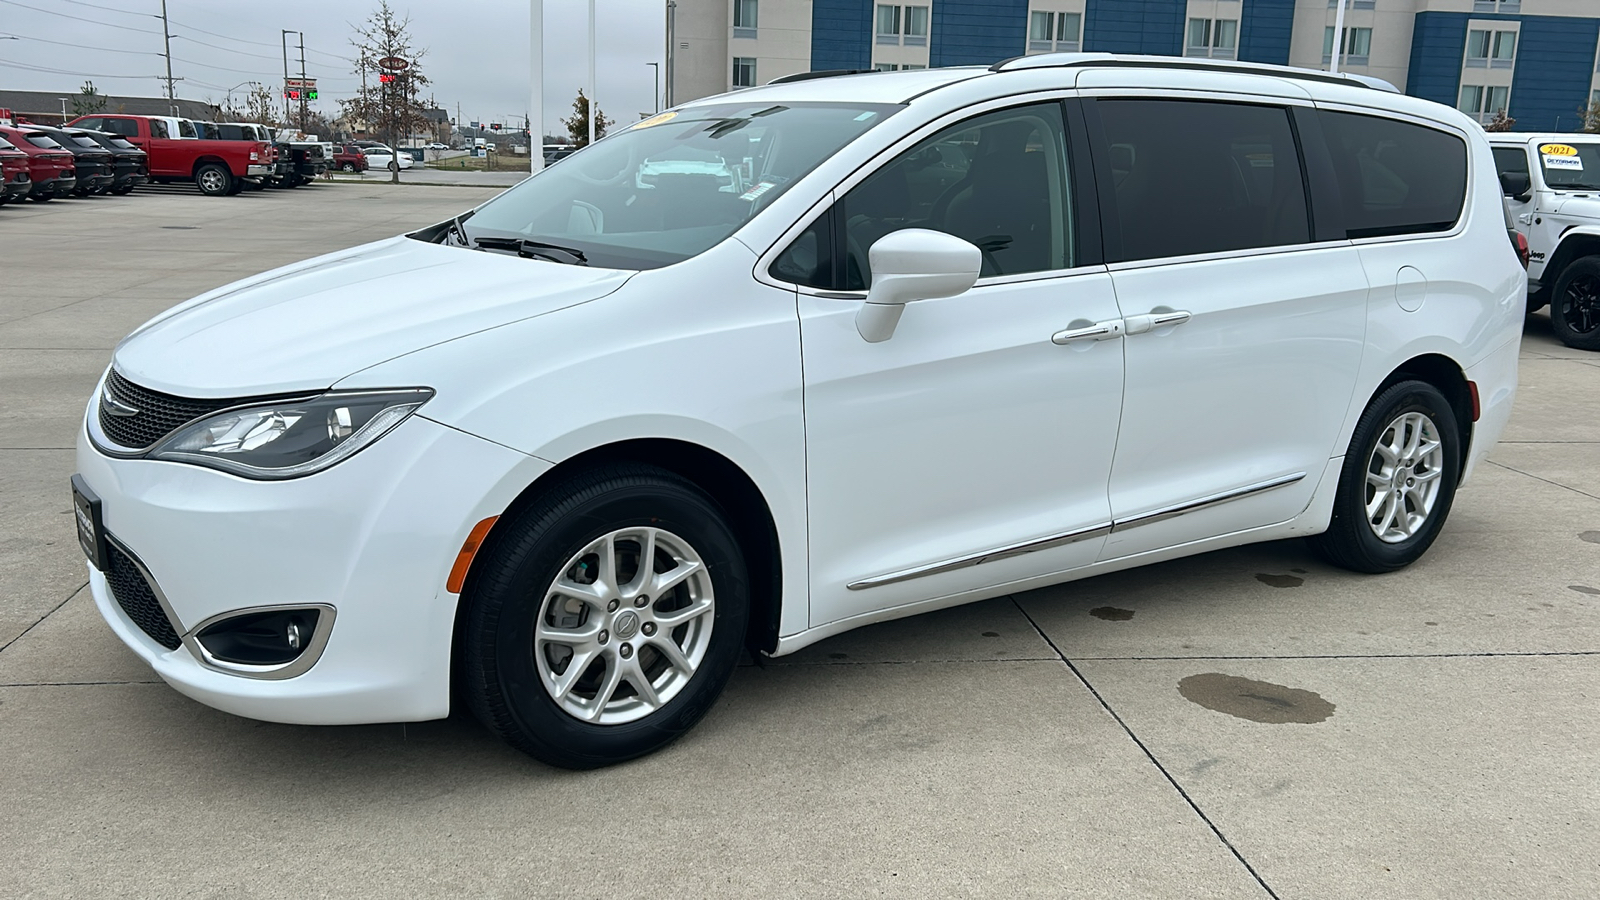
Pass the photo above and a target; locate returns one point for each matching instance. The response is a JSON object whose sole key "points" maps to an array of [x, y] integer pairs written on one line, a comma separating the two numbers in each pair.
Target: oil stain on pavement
{"points": [[1258, 701], [1584, 589], [1111, 613], [1281, 581], [1592, 537]]}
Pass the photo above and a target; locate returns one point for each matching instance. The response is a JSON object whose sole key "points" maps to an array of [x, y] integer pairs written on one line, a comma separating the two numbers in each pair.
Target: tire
{"points": [[511, 680], [349, 167], [214, 180], [1575, 304], [289, 181], [122, 191], [1352, 540], [394, 167]]}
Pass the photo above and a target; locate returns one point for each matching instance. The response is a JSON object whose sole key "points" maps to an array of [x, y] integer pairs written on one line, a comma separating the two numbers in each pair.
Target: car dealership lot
{"points": [[1428, 733]]}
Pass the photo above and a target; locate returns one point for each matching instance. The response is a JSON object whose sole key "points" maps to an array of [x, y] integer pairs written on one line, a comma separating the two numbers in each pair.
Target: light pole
{"points": [[657, 98], [535, 85], [672, 23], [1338, 36], [63, 109], [235, 88]]}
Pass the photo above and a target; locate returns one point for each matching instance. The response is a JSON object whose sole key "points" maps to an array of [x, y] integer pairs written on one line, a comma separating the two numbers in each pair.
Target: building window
{"points": [[1483, 102], [744, 18], [1499, 6], [1357, 46], [886, 67], [907, 25], [1491, 49], [1352, 4], [1505, 50], [744, 71], [1055, 31], [1218, 39]]}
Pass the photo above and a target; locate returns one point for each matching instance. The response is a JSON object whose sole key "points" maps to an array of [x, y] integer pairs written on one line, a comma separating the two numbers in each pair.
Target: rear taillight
{"points": [[1522, 249]]}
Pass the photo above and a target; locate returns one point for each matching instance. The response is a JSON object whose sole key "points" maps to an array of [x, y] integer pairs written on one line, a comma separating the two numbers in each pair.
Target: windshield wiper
{"points": [[532, 249]]}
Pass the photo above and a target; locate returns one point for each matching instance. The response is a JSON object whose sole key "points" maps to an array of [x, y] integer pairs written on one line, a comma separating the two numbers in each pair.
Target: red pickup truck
{"points": [[218, 167]]}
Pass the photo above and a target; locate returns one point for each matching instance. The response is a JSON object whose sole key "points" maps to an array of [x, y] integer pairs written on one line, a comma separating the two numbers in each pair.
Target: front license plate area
{"points": [[91, 527]]}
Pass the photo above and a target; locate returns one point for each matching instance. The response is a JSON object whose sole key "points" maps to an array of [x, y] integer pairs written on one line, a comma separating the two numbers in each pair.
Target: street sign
{"points": [[309, 84], [394, 64]]}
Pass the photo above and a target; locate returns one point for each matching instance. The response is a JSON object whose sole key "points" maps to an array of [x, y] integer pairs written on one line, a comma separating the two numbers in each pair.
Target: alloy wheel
{"points": [[1403, 477], [624, 626], [1580, 304], [211, 181]]}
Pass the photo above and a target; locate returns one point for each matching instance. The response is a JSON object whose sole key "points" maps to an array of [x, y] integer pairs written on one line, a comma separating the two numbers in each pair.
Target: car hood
{"points": [[1578, 206], [307, 326]]}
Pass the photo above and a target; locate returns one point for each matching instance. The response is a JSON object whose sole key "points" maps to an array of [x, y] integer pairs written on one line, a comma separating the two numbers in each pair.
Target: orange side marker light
{"points": [[469, 549]]}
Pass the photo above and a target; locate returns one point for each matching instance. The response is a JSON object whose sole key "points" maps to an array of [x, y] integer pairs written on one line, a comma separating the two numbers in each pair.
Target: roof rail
{"points": [[1111, 60], [821, 73]]}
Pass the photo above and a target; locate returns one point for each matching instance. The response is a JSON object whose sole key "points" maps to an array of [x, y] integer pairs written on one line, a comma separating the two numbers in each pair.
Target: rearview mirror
{"points": [[1516, 185], [913, 264]]}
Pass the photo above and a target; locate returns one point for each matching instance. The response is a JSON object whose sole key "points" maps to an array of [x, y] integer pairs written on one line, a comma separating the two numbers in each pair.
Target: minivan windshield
{"points": [[1570, 166], [674, 185]]}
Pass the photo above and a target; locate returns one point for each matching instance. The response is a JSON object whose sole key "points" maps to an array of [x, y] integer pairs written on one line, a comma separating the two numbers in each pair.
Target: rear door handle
{"points": [[1084, 330], [1150, 321]]}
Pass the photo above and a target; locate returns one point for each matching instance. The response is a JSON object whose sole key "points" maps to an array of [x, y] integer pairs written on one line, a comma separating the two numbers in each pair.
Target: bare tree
{"points": [[389, 101], [1500, 122], [578, 123], [1591, 117]]}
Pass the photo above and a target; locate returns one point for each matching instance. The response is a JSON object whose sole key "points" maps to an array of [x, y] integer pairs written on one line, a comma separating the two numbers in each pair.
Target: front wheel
{"points": [[1575, 305], [394, 167], [605, 618], [349, 167], [1398, 481]]}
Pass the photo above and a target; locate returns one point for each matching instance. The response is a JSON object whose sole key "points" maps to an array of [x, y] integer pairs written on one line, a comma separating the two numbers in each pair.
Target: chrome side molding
{"points": [[1081, 534]]}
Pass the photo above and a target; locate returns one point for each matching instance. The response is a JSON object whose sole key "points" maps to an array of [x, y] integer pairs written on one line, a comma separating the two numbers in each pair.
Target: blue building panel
{"points": [[1265, 27], [1555, 62], [1135, 26], [977, 32], [841, 34], [1438, 46]]}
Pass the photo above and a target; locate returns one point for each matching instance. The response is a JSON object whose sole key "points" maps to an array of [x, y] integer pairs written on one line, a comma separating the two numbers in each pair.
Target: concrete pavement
{"points": [[1097, 739]]}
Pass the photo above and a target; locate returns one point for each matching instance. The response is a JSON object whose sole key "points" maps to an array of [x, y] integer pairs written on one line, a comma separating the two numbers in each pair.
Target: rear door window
{"points": [[1395, 177], [1510, 161], [1189, 177], [158, 129]]}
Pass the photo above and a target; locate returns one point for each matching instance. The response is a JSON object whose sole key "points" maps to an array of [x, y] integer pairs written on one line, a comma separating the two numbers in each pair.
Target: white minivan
{"points": [[917, 339]]}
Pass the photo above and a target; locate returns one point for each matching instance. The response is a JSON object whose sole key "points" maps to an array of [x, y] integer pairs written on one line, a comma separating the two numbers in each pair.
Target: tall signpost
{"points": [[394, 68]]}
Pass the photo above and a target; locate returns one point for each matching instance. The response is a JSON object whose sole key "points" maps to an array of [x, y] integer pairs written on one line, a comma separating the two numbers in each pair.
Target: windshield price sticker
{"points": [[1570, 163], [659, 119], [1558, 150], [757, 191]]}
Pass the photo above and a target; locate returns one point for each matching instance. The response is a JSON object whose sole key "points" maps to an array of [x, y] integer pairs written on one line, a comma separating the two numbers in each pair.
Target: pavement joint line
{"points": [[17, 684], [1545, 480], [47, 615], [1147, 752], [1485, 654]]}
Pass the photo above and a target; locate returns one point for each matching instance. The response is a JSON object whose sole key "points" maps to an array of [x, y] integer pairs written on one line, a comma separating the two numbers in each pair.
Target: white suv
{"points": [[1552, 187], [920, 339]]}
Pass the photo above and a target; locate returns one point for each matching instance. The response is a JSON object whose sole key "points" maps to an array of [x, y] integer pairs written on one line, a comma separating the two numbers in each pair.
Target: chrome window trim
{"points": [[297, 666], [879, 159], [1226, 255], [1058, 540]]}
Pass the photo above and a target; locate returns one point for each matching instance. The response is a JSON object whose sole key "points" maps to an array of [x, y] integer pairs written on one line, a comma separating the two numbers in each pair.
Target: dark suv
{"points": [[130, 165]]}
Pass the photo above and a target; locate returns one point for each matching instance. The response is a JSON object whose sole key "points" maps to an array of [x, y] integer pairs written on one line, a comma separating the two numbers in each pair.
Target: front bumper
{"points": [[373, 537]]}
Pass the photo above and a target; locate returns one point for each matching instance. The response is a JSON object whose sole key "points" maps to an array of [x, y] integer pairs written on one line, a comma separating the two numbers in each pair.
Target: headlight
{"points": [[291, 438]]}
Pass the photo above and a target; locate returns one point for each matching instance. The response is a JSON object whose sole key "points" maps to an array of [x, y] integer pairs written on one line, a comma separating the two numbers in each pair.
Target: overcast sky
{"points": [[477, 49]]}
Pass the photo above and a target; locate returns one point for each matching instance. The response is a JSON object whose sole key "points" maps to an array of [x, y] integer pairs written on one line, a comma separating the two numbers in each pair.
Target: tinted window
{"points": [[85, 142], [91, 124], [186, 128], [126, 127], [40, 140], [6, 145], [1191, 177], [121, 144], [158, 128], [998, 181], [1395, 177], [1511, 160], [809, 259]]}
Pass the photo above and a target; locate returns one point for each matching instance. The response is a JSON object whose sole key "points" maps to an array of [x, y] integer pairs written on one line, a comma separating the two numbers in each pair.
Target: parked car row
{"points": [[359, 156], [41, 163]]}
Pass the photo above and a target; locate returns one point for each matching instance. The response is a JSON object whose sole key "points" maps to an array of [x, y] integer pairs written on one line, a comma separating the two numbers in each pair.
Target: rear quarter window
{"points": [[1395, 177]]}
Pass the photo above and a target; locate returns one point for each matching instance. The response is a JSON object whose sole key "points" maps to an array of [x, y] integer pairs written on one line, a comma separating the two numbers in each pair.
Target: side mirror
{"points": [[1516, 185], [913, 264]]}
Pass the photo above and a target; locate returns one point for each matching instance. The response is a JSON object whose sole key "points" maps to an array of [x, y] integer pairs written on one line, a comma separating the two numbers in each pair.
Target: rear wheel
{"points": [[1575, 304], [604, 619], [349, 167], [1398, 481], [214, 180], [122, 190]]}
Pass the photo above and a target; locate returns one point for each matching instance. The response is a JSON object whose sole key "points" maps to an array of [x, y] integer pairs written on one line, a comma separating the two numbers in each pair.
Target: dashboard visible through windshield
{"points": [[669, 187]]}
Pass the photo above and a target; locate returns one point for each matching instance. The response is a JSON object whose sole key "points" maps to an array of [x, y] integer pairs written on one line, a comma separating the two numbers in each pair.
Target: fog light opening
{"points": [[267, 638]]}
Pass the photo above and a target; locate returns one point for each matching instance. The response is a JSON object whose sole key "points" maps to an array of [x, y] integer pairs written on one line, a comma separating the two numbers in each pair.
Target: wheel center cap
{"points": [[626, 624]]}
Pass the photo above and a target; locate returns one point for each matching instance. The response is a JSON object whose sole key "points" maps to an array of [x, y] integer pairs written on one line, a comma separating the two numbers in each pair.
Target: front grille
{"points": [[134, 594], [158, 414]]}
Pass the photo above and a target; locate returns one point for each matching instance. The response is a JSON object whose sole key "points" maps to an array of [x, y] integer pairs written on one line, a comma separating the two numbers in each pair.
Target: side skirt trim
{"points": [[1082, 534]]}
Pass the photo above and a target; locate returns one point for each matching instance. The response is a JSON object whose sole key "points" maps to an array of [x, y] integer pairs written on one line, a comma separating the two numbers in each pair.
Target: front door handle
{"points": [[1084, 330], [1160, 318]]}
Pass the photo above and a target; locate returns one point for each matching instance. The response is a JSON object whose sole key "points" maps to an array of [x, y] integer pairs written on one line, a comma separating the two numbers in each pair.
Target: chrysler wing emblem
{"points": [[114, 406]]}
